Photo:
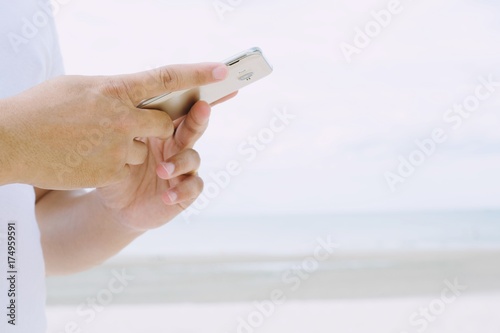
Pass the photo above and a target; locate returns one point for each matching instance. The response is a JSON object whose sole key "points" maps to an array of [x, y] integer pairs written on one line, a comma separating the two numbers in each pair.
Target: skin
{"points": [[75, 132], [81, 229]]}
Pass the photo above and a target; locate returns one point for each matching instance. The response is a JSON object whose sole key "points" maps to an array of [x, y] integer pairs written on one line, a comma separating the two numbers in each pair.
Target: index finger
{"points": [[148, 84], [193, 125]]}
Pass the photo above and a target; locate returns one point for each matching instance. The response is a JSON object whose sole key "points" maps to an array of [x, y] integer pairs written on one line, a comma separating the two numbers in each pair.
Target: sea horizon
{"points": [[296, 234]]}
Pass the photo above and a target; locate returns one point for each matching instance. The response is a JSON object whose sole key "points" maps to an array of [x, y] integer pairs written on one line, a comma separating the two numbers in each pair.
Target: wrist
{"points": [[114, 218]]}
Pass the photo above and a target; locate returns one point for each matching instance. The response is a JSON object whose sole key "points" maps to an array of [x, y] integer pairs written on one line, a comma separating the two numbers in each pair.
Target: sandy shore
{"points": [[225, 279], [470, 313], [459, 291]]}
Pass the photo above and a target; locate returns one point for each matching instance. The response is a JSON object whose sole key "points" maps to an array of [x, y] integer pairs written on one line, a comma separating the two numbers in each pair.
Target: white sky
{"points": [[353, 120]]}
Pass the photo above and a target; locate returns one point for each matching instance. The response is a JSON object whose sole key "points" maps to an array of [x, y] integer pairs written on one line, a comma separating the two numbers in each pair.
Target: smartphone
{"points": [[244, 68]]}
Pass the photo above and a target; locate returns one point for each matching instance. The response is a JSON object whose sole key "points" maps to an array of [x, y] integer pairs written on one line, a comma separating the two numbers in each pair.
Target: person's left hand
{"points": [[167, 183]]}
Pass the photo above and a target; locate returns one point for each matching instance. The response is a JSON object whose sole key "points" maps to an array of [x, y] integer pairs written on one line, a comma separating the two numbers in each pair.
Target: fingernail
{"points": [[220, 72], [172, 196], [169, 168]]}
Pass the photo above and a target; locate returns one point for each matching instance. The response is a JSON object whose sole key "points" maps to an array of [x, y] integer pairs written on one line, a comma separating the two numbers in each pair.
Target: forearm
{"points": [[9, 158], [77, 231]]}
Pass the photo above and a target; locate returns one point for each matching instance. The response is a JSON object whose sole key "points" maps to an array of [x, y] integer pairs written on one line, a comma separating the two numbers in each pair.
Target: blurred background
{"points": [[361, 89]]}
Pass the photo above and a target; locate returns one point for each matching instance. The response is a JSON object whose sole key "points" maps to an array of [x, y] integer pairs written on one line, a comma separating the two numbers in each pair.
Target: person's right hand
{"points": [[76, 132]]}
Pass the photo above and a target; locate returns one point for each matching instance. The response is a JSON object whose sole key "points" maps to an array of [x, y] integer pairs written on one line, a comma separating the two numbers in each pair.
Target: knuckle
{"points": [[157, 120], [166, 122], [188, 159], [170, 78], [201, 76], [122, 90], [195, 125], [199, 185], [113, 87], [195, 156]]}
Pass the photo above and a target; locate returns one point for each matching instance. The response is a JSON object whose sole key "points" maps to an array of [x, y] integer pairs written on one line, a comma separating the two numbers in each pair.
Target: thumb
{"points": [[148, 84]]}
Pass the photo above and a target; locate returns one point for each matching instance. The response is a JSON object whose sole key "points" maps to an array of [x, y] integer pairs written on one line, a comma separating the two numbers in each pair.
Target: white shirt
{"points": [[29, 55]]}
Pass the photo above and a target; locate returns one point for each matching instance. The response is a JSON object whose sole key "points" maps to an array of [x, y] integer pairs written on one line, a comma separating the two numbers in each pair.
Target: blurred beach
{"points": [[474, 313], [354, 122], [384, 267]]}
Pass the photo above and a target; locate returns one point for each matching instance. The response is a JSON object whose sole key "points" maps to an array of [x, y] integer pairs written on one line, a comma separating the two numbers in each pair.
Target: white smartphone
{"points": [[244, 68]]}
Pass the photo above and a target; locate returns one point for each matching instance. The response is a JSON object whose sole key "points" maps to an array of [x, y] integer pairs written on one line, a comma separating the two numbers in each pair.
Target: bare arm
{"points": [[77, 231], [74, 132], [80, 230], [9, 145]]}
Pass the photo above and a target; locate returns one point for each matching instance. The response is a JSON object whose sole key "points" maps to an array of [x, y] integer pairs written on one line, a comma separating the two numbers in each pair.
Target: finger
{"points": [[144, 85], [187, 161], [223, 99], [177, 121], [187, 190], [193, 126], [137, 153], [152, 123]]}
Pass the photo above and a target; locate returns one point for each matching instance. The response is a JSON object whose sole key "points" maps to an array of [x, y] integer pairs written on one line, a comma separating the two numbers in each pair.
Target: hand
{"points": [[75, 131], [167, 182]]}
